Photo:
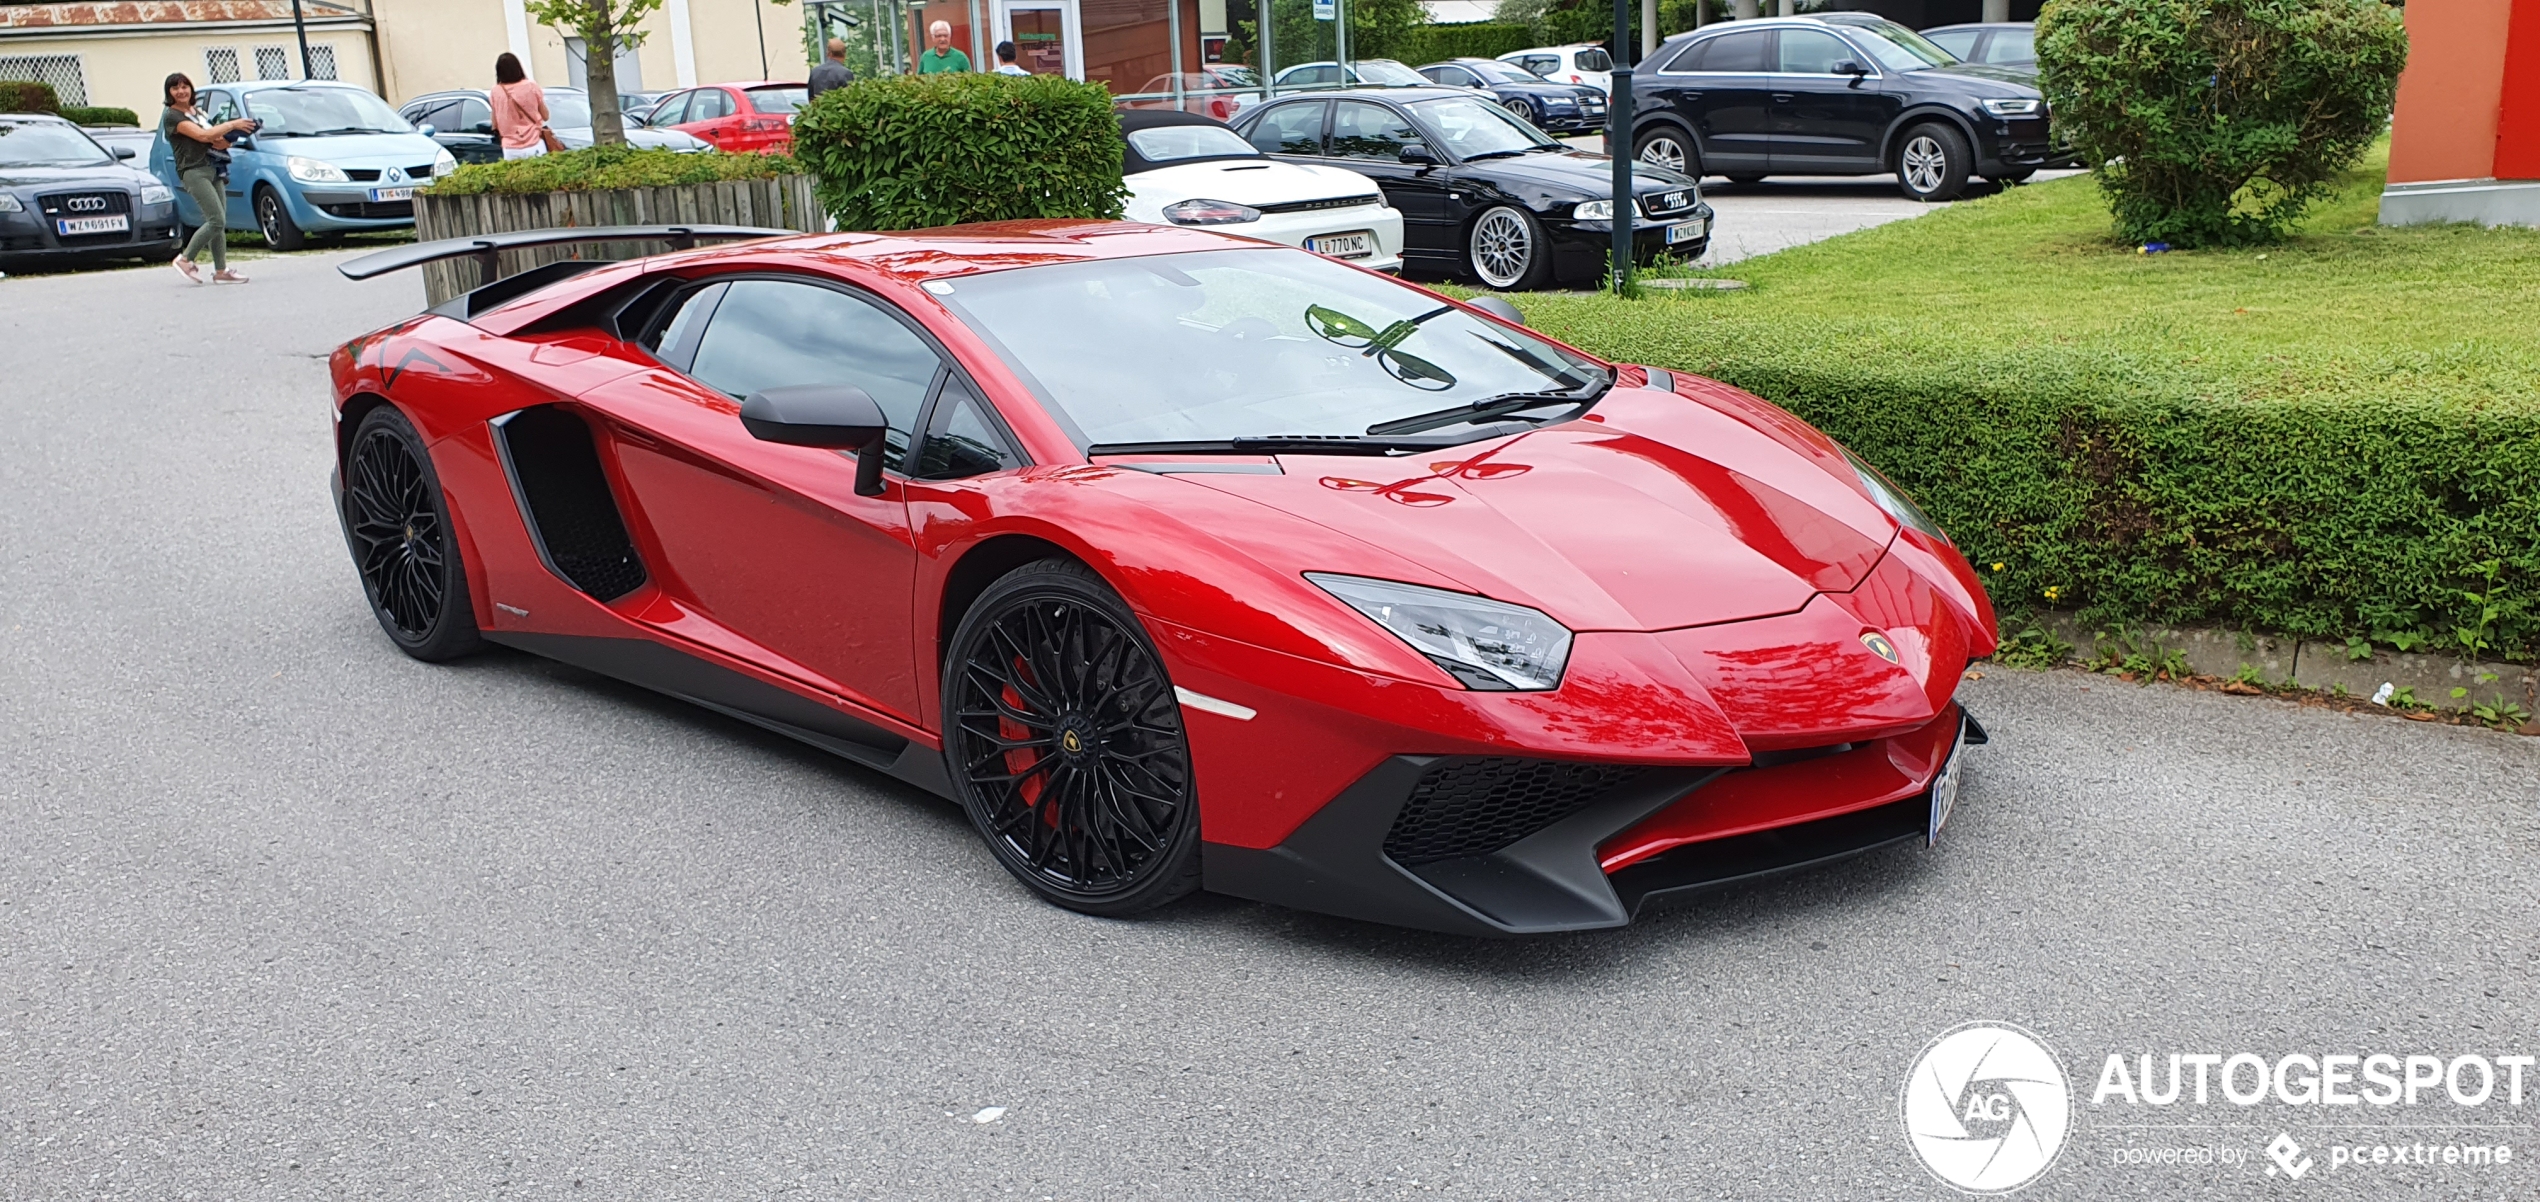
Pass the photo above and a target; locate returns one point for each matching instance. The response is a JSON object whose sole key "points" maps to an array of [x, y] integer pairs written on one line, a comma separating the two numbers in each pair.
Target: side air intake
{"points": [[564, 497], [1475, 806]]}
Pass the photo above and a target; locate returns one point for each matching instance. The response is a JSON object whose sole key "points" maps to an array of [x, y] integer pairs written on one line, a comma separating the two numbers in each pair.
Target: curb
{"points": [[2312, 664]]}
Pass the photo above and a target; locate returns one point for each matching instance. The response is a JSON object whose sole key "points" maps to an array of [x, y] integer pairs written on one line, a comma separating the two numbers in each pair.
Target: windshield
{"points": [[568, 110], [1387, 73], [1499, 72], [1471, 129], [780, 100], [301, 112], [1593, 59], [1165, 143], [1246, 343], [44, 144], [1900, 49]]}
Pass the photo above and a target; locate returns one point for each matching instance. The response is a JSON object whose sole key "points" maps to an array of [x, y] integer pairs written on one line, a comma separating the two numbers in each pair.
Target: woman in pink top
{"points": [[520, 110]]}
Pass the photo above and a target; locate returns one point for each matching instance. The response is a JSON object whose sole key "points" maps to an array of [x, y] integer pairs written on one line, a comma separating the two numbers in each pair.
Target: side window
{"points": [[2014, 46], [1290, 129], [1369, 131], [1735, 52], [1809, 52], [710, 104], [219, 107], [1540, 64], [1676, 57], [961, 439], [1592, 59], [672, 110], [673, 338], [1960, 42], [475, 117], [774, 333]]}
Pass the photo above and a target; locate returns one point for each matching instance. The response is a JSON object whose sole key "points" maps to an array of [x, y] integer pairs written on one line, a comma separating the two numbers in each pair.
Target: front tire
{"points": [[1064, 740], [1507, 251], [1668, 147], [399, 527], [1523, 110], [273, 218], [1932, 163]]}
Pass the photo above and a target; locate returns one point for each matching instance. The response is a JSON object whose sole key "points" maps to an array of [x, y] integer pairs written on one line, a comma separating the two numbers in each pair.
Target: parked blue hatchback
{"points": [[330, 157]]}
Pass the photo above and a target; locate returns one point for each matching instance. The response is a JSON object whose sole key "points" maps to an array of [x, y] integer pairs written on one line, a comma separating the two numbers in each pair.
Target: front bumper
{"points": [[1501, 846], [30, 237], [2015, 146], [1580, 247], [343, 208]]}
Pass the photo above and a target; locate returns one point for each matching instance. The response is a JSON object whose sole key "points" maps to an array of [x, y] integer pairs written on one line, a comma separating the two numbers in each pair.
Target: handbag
{"points": [[554, 144]]}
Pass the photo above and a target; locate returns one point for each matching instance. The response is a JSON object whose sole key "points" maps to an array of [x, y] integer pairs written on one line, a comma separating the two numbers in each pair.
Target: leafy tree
{"points": [[605, 27]]}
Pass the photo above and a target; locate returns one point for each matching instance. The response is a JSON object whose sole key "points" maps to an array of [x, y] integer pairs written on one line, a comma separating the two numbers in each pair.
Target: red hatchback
{"points": [[756, 117]]}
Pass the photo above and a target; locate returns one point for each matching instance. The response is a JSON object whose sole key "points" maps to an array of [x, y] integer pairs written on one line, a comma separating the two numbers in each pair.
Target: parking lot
{"points": [[285, 914]]}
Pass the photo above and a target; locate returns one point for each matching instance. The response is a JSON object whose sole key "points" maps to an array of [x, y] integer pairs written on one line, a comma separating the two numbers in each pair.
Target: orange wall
{"points": [[2445, 127]]}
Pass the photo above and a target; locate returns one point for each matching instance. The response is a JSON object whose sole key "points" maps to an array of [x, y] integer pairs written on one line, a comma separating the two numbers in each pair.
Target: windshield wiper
{"points": [[1274, 444], [1485, 409], [328, 133], [1492, 154]]}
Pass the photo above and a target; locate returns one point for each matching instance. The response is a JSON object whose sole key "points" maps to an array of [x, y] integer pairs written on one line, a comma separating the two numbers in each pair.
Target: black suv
{"points": [[1838, 94]]}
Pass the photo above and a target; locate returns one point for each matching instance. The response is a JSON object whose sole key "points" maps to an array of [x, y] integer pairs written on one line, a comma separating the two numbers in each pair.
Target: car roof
{"points": [[1401, 95], [1979, 25], [267, 85], [35, 117]]}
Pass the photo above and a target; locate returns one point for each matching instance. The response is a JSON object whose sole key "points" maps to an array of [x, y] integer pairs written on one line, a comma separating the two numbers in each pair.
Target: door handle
{"points": [[1781, 97]]}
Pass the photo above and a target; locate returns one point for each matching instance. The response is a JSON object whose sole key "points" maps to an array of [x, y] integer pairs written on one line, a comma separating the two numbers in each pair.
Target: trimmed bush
{"points": [[1472, 39], [904, 152], [2217, 121], [27, 96], [605, 168], [100, 116], [2335, 440]]}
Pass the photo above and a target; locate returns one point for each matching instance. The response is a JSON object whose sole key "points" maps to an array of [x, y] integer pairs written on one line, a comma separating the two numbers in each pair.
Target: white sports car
{"points": [[1184, 169]]}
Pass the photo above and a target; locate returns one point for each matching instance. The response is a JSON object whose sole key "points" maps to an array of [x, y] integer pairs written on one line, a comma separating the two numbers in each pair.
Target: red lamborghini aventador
{"points": [[1179, 561]]}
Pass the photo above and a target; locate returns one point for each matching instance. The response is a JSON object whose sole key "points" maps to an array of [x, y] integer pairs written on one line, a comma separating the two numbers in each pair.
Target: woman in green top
{"points": [[192, 143]]}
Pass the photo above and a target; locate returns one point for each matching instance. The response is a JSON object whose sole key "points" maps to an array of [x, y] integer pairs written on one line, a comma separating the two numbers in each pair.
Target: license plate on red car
{"points": [[1344, 246], [1944, 788]]}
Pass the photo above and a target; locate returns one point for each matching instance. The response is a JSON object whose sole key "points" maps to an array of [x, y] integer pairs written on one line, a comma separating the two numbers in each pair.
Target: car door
{"points": [[672, 112], [1718, 89], [1368, 138], [474, 139], [1291, 130], [1823, 120], [766, 541], [1451, 76], [219, 105], [711, 117]]}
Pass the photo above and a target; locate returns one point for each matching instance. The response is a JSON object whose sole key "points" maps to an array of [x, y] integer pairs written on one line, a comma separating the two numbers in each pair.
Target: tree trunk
{"points": [[599, 68]]}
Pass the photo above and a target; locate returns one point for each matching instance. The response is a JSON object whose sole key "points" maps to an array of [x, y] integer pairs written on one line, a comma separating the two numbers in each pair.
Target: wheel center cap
{"points": [[1073, 743]]}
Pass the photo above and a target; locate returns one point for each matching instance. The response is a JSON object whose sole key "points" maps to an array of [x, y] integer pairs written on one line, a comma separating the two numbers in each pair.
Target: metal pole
{"points": [[1618, 144], [1648, 29], [758, 13], [1340, 37], [1173, 28], [301, 24], [1269, 61]]}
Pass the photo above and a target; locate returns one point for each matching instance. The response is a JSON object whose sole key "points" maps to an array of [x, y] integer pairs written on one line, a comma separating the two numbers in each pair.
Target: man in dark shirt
{"points": [[833, 71]]}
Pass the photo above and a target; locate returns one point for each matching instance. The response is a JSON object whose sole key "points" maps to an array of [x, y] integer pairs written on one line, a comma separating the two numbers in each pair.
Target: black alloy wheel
{"points": [[273, 219], [1668, 147], [1064, 739], [399, 529]]}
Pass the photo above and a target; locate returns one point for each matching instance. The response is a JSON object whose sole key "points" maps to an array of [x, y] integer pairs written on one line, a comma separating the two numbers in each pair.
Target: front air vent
{"points": [[564, 497], [1473, 806]]}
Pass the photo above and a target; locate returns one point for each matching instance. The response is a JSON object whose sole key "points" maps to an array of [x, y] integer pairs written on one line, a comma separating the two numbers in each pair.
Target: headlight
{"points": [[1210, 212], [10, 204], [444, 163], [311, 171], [1594, 210], [156, 194], [1893, 499], [2012, 108], [1483, 643]]}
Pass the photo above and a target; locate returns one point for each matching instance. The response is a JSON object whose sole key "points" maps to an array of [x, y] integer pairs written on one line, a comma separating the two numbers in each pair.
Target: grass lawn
{"points": [[2333, 436]]}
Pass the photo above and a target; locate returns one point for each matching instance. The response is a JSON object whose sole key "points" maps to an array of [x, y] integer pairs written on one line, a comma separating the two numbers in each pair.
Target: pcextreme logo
{"points": [[1987, 1107]]}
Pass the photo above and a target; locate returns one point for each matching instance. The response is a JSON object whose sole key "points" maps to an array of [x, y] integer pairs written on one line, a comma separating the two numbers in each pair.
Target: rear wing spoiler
{"points": [[493, 288]]}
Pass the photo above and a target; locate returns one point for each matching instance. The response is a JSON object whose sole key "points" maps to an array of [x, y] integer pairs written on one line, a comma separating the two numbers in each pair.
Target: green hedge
{"points": [[601, 168], [1472, 39], [27, 96], [2333, 440], [903, 152], [98, 115]]}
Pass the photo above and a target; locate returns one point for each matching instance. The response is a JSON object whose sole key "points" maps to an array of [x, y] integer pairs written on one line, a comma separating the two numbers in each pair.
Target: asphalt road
{"points": [[285, 915]]}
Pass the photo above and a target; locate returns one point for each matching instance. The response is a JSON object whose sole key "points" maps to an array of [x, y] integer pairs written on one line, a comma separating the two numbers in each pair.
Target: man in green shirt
{"points": [[940, 56]]}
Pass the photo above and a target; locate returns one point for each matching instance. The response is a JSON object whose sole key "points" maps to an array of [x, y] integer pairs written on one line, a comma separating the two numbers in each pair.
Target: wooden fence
{"points": [[784, 203]]}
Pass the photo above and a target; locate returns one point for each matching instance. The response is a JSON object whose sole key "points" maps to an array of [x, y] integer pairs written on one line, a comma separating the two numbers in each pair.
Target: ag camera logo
{"points": [[1987, 1107]]}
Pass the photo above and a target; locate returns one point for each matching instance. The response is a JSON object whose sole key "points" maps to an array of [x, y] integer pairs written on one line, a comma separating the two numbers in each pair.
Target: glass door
{"points": [[1044, 33]]}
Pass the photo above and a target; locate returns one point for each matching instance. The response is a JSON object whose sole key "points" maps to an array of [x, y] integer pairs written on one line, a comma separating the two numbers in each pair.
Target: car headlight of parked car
{"points": [[1482, 643], [444, 163], [156, 194], [1210, 212], [1593, 210], [312, 171], [2012, 108], [11, 204], [1893, 499]]}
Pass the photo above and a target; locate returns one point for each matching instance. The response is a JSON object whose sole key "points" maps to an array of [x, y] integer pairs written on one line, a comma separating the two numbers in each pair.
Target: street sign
{"points": [[1326, 10]]}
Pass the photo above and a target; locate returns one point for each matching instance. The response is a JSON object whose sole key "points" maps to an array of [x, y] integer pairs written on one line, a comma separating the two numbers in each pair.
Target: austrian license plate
{"points": [[112, 224], [1687, 231], [1944, 788], [1344, 246], [384, 194]]}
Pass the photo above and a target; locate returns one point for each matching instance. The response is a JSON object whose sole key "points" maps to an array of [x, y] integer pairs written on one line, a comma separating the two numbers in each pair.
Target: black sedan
{"points": [[463, 123], [1559, 107], [1845, 93], [65, 198], [1482, 194]]}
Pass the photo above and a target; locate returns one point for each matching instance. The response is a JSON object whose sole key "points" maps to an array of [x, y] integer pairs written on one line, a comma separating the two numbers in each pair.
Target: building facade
{"points": [[2465, 141]]}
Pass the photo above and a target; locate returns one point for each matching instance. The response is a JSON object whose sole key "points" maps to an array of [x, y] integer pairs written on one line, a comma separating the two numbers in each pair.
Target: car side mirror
{"points": [[426, 129], [834, 416], [124, 152], [1418, 154], [1498, 308], [1849, 67]]}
